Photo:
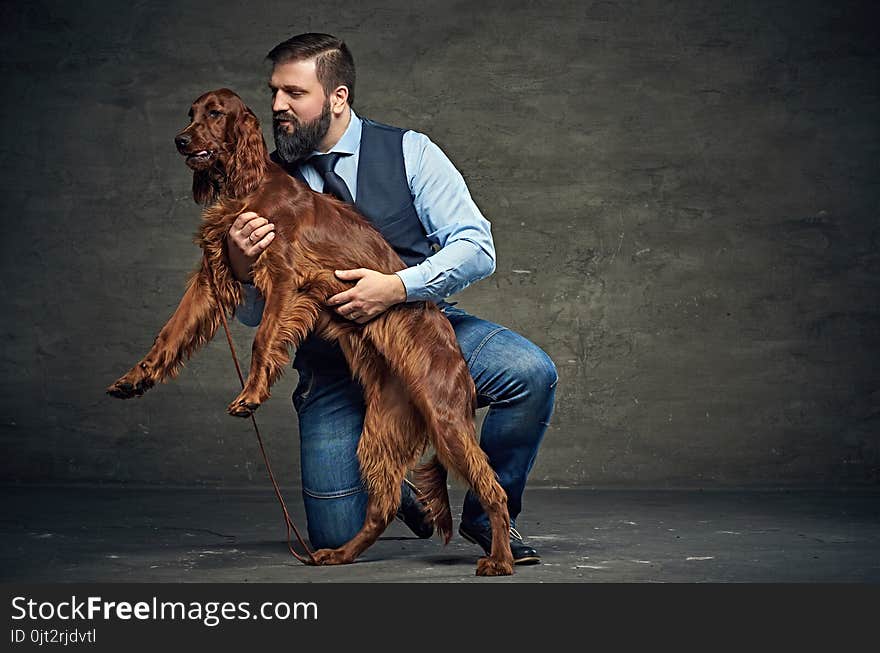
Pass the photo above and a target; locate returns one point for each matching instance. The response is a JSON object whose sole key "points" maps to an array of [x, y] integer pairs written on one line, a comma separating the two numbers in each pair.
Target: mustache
{"points": [[303, 137]]}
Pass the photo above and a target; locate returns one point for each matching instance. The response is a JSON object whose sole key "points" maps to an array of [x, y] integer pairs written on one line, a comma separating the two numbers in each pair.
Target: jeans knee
{"points": [[324, 540], [325, 535], [333, 521], [530, 375], [538, 371], [551, 374]]}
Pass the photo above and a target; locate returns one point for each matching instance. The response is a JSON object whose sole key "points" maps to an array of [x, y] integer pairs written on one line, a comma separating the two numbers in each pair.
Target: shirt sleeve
{"points": [[250, 311], [451, 220]]}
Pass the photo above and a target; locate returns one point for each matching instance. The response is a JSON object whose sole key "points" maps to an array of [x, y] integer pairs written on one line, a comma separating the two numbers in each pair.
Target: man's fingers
{"points": [[345, 309], [243, 219], [356, 312], [363, 317], [260, 245], [259, 232], [341, 298], [346, 295], [252, 233], [351, 274], [355, 316], [252, 226], [246, 224]]}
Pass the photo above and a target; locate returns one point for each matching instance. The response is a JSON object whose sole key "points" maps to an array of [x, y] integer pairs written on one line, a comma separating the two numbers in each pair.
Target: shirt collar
{"points": [[350, 140]]}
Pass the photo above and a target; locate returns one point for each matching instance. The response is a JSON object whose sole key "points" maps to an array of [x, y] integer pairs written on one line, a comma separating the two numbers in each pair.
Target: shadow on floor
{"points": [[111, 534]]}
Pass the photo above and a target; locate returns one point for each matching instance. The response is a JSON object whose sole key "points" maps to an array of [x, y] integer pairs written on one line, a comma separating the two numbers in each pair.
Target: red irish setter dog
{"points": [[417, 386]]}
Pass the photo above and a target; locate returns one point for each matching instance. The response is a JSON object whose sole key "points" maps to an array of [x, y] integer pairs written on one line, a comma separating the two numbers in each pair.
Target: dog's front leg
{"points": [[193, 323], [288, 317], [385, 451]]}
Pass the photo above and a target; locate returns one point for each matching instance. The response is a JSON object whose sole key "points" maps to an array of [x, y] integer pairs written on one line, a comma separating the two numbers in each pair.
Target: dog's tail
{"points": [[430, 478]]}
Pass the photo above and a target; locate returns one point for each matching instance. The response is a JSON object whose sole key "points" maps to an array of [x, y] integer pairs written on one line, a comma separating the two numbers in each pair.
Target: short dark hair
{"points": [[334, 64]]}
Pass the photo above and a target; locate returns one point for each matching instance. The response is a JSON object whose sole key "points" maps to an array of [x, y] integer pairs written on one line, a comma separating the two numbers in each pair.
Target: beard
{"points": [[303, 138]]}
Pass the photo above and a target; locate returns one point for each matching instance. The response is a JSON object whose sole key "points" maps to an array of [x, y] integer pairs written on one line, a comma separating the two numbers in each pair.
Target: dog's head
{"points": [[224, 147]]}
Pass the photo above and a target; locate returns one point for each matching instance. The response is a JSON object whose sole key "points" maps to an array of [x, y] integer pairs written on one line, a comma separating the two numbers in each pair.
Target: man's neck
{"points": [[337, 129]]}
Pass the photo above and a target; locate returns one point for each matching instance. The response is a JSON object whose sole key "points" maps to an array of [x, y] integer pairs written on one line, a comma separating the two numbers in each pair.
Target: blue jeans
{"points": [[514, 377]]}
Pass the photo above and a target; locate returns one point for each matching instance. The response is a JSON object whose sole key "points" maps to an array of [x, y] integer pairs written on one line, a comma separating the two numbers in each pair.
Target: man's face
{"points": [[300, 109]]}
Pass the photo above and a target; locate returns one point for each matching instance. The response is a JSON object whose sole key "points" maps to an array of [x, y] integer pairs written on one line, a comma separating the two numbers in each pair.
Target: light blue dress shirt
{"points": [[443, 203]]}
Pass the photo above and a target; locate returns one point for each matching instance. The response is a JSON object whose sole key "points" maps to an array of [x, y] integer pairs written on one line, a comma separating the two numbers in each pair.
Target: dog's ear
{"points": [[247, 165], [204, 191]]}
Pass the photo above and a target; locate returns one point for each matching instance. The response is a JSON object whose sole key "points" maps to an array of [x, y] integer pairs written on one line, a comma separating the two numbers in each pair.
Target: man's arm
{"points": [[248, 236], [451, 220]]}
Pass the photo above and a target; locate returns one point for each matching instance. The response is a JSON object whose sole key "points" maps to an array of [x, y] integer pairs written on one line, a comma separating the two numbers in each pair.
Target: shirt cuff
{"points": [[414, 283]]}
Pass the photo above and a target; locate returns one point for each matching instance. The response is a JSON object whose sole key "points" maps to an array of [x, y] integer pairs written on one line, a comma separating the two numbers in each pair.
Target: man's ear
{"points": [[338, 100]]}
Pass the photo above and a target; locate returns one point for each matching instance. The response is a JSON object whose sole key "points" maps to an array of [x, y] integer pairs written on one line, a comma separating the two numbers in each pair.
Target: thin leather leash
{"points": [[290, 525]]}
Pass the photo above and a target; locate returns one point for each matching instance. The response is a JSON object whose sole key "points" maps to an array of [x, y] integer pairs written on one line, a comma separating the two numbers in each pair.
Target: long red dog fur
{"points": [[417, 387]]}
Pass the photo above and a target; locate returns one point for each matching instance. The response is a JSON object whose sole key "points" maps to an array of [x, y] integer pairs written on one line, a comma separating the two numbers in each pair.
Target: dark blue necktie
{"points": [[333, 183]]}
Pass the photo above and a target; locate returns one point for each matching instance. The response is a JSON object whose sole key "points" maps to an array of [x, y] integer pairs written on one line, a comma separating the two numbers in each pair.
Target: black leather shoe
{"points": [[413, 512], [523, 554]]}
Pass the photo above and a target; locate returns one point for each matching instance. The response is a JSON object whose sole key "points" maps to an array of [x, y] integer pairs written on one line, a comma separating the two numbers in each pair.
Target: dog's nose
{"points": [[182, 140]]}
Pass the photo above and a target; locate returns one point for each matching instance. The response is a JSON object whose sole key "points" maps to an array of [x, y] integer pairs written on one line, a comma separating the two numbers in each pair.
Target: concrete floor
{"points": [[108, 534]]}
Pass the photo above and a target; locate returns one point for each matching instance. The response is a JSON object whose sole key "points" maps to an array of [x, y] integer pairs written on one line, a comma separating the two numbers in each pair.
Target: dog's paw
{"points": [[242, 408], [133, 384], [330, 557], [492, 567]]}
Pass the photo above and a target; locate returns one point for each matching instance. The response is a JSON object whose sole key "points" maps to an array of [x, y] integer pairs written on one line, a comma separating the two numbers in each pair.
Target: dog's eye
{"points": [[213, 113]]}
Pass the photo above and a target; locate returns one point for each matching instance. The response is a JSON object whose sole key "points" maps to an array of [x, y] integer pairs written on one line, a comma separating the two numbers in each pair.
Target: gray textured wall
{"points": [[684, 197]]}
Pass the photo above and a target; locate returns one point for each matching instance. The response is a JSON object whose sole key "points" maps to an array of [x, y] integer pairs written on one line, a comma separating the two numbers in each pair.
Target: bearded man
{"points": [[407, 187]]}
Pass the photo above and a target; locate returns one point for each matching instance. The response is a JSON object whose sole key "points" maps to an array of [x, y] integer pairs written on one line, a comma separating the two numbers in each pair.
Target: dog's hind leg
{"points": [[457, 449], [193, 324], [443, 391], [430, 479], [288, 317]]}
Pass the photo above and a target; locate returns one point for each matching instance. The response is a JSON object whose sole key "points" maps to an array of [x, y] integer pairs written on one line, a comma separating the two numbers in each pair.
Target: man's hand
{"points": [[248, 236], [373, 294]]}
